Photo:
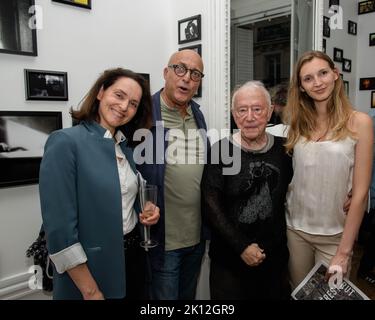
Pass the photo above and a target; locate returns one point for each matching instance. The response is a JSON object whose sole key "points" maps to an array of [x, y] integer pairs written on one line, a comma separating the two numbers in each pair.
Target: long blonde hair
{"points": [[300, 112]]}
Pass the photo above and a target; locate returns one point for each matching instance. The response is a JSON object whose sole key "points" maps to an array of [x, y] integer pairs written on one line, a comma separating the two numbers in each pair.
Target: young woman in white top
{"points": [[332, 154]]}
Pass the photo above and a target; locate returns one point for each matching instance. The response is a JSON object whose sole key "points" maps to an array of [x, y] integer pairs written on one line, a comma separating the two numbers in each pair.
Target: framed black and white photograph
{"points": [[372, 99], [366, 6], [367, 83], [333, 3], [338, 54], [326, 27], [197, 48], [346, 65], [346, 86], [18, 27], [372, 39], [23, 135], [189, 29], [77, 3], [324, 46], [352, 27], [46, 85]]}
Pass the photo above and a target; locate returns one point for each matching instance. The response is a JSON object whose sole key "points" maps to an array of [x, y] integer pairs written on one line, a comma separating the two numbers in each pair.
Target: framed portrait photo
{"points": [[338, 54], [352, 27], [372, 39], [367, 83], [324, 46], [18, 27], [326, 27], [366, 6], [197, 48], [46, 85], [189, 29], [346, 65], [372, 99], [23, 135], [77, 3]]}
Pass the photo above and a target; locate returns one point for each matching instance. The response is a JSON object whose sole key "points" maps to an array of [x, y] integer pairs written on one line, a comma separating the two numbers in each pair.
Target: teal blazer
{"points": [[81, 202]]}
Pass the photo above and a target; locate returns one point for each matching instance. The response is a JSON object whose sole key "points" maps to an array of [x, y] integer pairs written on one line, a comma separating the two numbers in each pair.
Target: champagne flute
{"points": [[148, 199]]}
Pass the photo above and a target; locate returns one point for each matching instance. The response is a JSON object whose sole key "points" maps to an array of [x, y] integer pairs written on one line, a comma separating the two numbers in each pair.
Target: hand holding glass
{"points": [[148, 199]]}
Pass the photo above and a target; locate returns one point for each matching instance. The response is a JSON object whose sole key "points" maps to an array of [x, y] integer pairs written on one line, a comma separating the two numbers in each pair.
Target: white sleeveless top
{"points": [[322, 178]]}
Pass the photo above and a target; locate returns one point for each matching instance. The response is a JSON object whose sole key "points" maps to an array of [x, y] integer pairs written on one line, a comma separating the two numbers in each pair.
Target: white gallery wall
{"points": [[139, 35]]}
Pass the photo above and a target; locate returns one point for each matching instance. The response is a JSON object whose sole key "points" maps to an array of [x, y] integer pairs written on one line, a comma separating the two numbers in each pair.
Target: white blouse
{"points": [[322, 178]]}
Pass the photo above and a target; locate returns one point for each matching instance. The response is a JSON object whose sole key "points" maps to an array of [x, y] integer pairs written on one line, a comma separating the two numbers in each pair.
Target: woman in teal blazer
{"points": [[88, 189]]}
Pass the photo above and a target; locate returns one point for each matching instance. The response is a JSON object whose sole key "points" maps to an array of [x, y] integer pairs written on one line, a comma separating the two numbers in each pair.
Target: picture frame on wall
{"points": [[326, 27], [46, 85], [346, 65], [77, 3], [352, 27], [367, 83], [189, 29], [16, 36], [324, 46], [372, 39], [197, 48], [366, 6], [23, 135], [372, 99], [346, 86], [338, 54], [333, 3]]}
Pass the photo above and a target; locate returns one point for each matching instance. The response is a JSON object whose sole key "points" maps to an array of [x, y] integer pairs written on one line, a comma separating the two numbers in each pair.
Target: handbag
{"points": [[38, 250]]}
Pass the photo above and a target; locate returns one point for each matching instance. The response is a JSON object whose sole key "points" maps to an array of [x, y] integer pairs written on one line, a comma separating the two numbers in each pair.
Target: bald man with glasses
{"points": [[176, 261]]}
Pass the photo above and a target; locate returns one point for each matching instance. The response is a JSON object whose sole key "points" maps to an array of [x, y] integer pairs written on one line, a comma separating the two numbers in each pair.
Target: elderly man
{"points": [[178, 163], [245, 211]]}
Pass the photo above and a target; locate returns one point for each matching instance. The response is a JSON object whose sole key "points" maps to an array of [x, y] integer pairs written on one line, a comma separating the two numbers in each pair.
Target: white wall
{"points": [[365, 59], [139, 35]]}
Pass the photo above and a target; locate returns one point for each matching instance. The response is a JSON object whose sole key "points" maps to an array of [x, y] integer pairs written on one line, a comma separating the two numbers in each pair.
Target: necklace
{"points": [[321, 137]]}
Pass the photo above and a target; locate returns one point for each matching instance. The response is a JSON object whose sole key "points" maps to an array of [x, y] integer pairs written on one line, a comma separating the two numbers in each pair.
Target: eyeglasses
{"points": [[180, 70], [255, 111]]}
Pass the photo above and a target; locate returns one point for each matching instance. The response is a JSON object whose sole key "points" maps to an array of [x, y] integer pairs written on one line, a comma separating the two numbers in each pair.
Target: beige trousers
{"points": [[306, 250]]}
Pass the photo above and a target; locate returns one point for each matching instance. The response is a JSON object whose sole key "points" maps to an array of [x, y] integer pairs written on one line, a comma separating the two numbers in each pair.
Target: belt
{"points": [[132, 239]]}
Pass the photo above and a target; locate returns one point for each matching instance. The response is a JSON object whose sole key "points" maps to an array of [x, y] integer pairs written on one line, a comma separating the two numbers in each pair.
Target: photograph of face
{"points": [[189, 29], [367, 84]]}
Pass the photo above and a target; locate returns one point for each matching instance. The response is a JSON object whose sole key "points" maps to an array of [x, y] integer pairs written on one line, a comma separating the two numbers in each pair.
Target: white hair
{"points": [[253, 84]]}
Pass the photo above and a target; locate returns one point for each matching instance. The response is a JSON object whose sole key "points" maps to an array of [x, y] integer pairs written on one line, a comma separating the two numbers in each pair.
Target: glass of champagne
{"points": [[148, 198]]}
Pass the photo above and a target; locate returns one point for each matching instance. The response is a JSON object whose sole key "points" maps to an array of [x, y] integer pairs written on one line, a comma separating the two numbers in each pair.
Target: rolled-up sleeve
{"points": [[68, 258], [58, 197]]}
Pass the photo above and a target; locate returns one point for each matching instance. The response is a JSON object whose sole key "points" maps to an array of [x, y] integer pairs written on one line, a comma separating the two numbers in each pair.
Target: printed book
{"points": [[314, 287]]}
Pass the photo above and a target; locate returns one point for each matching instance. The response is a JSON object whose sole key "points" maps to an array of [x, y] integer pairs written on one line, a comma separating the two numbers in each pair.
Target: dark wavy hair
{"points": [[89, 105]]}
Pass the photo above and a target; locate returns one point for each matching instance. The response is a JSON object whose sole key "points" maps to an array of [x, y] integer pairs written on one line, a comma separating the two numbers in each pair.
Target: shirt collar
{"points": [[119, 136]]}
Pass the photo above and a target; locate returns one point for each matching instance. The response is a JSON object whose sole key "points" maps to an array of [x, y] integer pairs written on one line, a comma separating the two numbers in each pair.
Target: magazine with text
{"points": [[314, 287]]}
